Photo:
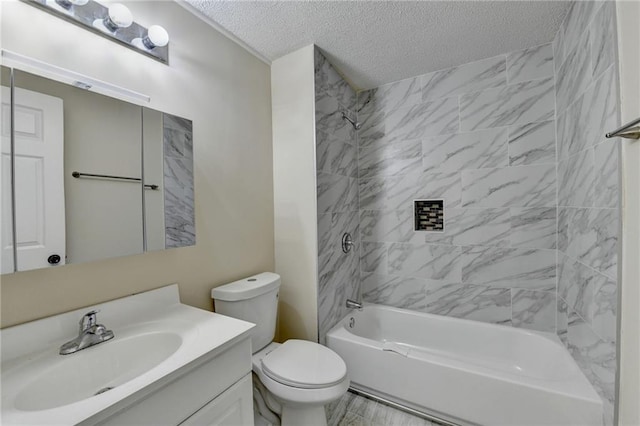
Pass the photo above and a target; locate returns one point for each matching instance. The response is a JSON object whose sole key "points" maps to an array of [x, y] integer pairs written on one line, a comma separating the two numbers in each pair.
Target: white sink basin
{"points": [[156, 339], [92, 371]]}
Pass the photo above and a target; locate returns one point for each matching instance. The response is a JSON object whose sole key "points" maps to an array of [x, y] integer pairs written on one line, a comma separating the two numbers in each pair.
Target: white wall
{"points": [[226, 92], [294, 187], [629, 56]]}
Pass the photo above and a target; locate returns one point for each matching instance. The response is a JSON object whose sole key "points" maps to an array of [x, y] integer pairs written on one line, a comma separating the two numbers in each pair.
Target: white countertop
{"points": [[30, 348]]}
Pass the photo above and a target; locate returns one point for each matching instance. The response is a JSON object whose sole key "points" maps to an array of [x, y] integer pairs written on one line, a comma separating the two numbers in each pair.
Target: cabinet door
{"points": [[234, 407]]}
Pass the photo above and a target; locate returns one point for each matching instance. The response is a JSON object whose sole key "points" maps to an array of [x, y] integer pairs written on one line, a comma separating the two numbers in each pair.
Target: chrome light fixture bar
{"points": [[114, 22], [34, 66]]}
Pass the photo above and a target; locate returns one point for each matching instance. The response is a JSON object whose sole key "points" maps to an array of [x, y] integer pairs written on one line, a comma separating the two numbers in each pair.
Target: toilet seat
{"points": [[303, 364]]}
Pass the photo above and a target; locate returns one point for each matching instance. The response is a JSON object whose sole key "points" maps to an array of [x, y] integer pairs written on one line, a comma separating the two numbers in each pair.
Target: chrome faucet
{"points": [[352, 304], [91, 333]]}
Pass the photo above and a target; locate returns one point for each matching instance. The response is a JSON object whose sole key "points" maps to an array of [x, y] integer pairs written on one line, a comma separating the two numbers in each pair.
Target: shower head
{"points": [[355, 124]]}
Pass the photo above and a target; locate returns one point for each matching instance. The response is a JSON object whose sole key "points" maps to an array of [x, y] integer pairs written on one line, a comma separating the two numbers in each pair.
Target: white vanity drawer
{"points": [[176, 399], [233, 408]]}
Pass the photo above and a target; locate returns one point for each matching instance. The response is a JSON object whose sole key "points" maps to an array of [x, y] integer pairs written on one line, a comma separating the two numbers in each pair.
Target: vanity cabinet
{"points": [[213, 391], [233, 407]]}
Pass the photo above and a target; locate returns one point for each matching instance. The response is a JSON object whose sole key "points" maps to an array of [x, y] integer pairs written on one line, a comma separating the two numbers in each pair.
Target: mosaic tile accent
{"points": [[429, 215]]}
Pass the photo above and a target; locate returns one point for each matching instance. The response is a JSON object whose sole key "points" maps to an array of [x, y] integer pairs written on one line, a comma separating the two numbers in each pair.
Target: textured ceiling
{"points": [[377, 42]]}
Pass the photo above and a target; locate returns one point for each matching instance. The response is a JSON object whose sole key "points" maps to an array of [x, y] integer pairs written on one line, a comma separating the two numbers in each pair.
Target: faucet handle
{"points": [[88, 320]]}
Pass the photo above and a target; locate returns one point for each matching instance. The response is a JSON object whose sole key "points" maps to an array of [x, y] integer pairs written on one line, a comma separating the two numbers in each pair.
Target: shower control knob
{"points": [[347, 242], [54, 259]]}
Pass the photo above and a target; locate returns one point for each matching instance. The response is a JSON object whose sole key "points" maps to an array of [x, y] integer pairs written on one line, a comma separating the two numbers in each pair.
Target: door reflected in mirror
{"points": [[80, 191]]}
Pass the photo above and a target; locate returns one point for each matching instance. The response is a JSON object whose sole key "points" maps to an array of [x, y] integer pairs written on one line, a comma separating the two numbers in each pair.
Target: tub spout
{"points": [[351, 304]]}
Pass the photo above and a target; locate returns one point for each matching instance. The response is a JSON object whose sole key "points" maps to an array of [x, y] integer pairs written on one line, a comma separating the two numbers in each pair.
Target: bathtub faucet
{"points": [[352, 304]]}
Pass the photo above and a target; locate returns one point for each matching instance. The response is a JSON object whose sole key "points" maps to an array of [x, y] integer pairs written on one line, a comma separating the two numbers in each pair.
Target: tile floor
{"points": [[356, 410]]}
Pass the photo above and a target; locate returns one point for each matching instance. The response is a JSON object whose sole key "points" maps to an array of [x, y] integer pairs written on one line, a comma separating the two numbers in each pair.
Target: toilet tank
{"points": [[253, 299]]}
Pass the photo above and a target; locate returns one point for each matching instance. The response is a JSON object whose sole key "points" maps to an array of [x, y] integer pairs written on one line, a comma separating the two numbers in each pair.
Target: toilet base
{"points": [[308, 416]]}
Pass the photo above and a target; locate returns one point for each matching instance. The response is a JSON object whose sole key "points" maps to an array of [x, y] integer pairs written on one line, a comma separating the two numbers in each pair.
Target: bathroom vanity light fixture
{"points": [[28, 64], [114, 22]]}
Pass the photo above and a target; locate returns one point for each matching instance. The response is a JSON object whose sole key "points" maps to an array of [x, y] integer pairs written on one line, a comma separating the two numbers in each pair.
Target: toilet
{"points": [[293, 381]]}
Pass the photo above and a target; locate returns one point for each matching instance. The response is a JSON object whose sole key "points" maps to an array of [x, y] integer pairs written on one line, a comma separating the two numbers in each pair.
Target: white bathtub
{"points": [[463, 371]]}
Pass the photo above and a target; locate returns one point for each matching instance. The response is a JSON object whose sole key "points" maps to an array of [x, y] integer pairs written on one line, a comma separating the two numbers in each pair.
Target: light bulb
{"points": [[119, 17], [156, 37]]}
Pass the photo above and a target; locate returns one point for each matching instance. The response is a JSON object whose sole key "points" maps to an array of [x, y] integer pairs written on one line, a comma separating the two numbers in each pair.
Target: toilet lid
{"points": [[304, 364]]}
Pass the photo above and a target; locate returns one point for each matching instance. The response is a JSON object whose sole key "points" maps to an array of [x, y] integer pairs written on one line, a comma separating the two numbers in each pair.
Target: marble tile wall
{"points": [[337, 192], [179, 211], [482, 137], [588, 215]]}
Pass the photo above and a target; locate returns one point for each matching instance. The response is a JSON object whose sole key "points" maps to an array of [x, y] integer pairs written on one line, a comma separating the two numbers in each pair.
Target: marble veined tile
{"points": [[602, 37], [398, 192], [389, 226], [576, 285], [487, 227], [412, 122], [336, 157], [373, 257], [534, 310], [513, 104], [576, 177], [327, 79], [574, 75], [392, 158], [467, 78], [575, 24], [590, 236], [178, 172], [337, 269], [587, 120], [605, 305], [177, 123], [336, 193], [331, 227], [400, 292], [372, 128], [331, 308], [606, 189], [532, 269], [179, 228], [435, 262], [425, 119], [532, 143], [473, 150], [329, 119], [473, 302], [399, 94], [522, 186], [533, 227], [530, 64], [596, 358], [562, 320], [176, 142]]}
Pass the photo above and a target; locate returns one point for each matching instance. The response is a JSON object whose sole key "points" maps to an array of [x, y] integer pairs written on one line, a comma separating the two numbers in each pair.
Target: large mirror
{"points": [[94, 177]]}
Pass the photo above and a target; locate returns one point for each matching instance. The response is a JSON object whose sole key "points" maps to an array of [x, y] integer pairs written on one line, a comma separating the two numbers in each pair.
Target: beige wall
{"points": [[226, 92], [629, 56], [294, 181]]}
